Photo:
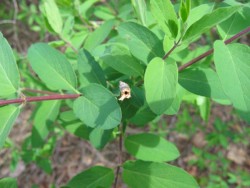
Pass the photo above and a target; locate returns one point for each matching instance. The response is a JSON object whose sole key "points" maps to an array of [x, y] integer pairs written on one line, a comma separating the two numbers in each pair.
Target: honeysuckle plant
{"points": [[74, 81]]}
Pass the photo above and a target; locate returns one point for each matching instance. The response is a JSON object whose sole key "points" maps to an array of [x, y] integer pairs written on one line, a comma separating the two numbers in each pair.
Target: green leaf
{"points": [[164, 13], [53, 15], [68, 28], [43, 120], [73, 125], [78, 38], [160, 84], [184, 9], [232, 66], [52, 67], [8, 115], [185, 55], [99, 137], [175, 106], [168, 43], [9, 75], [83, 7], [104, 13], [8, 183], [140, 8], [234, 24], [45, 164], [209, 20], [202, 81], [198, 12], [119, 58], [143, 116], [99, 35], [98, 107], [204, 105], [90, 71], [139, 174], [150, 147], [142, 42], [93, 177]]}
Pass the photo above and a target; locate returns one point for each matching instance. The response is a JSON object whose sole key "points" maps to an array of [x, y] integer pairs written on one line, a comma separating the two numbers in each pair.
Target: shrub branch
{"points": [[209, 52], [39, 98], [119, 157], [54, 96], [172, 49]]}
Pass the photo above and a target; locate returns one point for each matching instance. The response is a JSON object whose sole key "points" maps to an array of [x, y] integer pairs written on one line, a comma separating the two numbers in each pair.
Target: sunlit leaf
{"points": [[98, 107], [8, 115], [150, 147], [8, 183], [99, 35], [90, 71], [233, 67], [164, 13], [209, 20], [139, 174], [43, 120], [99, 137], [234, 24], [93, 177], [119, 58], [9, 75], [142, 42], [53, 15], [140, 9], [160, 84], [52, 67], [202, 81]]}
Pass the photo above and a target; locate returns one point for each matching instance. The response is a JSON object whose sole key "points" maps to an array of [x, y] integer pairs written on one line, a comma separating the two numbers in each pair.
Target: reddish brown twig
{"points": [[171, 50], [39, 98]]}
